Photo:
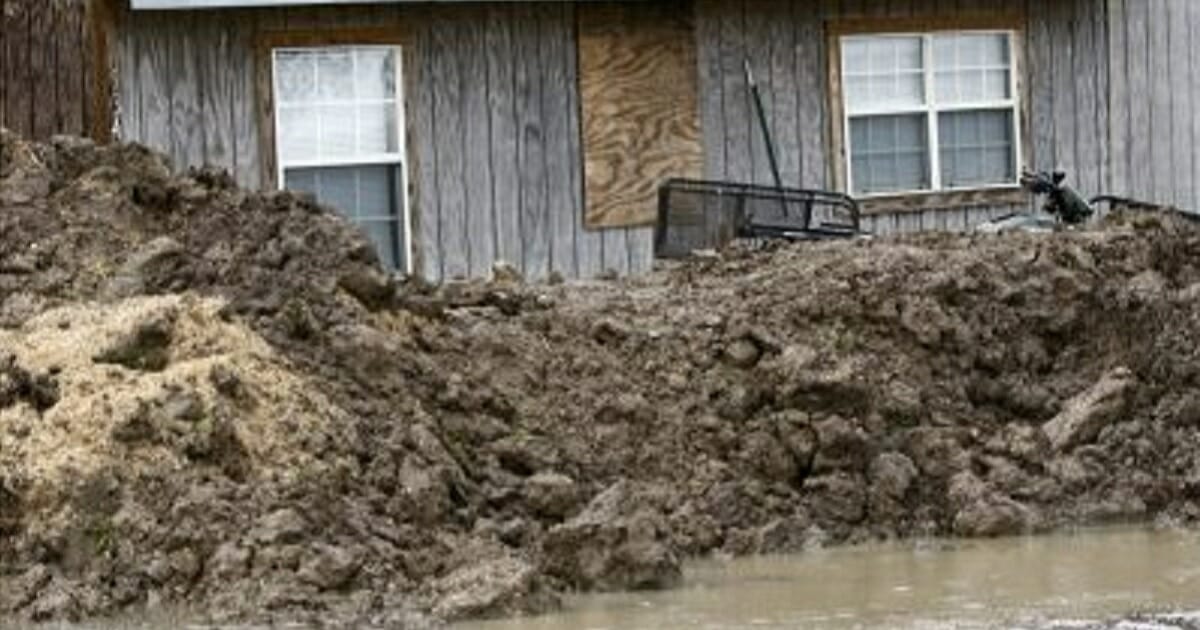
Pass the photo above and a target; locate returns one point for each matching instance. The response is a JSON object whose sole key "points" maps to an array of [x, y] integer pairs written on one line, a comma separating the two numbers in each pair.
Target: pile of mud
{"points": [[216, 400]]}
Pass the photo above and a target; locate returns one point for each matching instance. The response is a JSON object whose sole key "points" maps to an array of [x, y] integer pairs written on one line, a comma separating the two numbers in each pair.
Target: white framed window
{"points": [[339, 134], [927, 112]]}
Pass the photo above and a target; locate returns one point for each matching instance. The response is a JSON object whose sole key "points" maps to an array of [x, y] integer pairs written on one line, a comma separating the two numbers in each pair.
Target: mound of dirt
{"points": [[217, 400]]}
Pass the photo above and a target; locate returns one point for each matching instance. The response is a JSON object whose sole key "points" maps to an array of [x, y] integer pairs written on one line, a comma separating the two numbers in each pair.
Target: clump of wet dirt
{"points": [[217, 399]]}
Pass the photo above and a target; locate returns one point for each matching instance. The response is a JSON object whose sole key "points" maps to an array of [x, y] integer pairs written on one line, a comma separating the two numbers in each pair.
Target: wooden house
{"points": [[458, 134]]}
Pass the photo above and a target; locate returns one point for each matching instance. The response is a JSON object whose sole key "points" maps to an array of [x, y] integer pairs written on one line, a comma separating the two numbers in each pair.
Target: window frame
{"points": [[270, 161], [1011, 24]]}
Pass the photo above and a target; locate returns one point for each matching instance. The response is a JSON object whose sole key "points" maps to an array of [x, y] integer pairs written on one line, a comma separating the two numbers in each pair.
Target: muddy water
{"points": [[1009, 582]]}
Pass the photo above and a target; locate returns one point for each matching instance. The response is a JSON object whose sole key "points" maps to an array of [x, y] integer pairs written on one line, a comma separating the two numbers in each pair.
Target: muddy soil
{"points": [[216, 399]]}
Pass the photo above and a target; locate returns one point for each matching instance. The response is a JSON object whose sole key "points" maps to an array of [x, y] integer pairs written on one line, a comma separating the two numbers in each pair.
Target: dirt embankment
{"points": [[215, 399]]}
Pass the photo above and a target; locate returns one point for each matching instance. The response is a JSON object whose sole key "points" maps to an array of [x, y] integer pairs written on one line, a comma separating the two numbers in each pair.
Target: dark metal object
{"points": [[698, 214], [1115, 202], [762, 123], [1064, 206], [1062, 201]]}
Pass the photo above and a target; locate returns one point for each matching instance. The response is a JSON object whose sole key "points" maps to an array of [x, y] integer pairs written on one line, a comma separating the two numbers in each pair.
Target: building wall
{"points": [[493, 118], [1113, 98], [1154, 122], [1066, 74]]}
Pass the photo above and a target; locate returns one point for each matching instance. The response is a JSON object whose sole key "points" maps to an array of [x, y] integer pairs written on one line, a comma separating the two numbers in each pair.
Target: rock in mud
{"points": [[285, 526], [17, 384], [551, 495], [742, 353], [983, 512], [892, 474], [616, 543], [371, 287], [1084, 415], [146, 347], [993, 516], [329, 567], [148, 267], [493, 587]]}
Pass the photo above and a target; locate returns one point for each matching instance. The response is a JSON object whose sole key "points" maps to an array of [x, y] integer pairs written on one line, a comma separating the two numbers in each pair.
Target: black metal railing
{"points": [[698, 214]]}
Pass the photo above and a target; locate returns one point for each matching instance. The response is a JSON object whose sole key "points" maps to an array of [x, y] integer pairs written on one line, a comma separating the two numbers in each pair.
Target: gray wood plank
{"points": [[785, 109], [640, 241], [1160, 101], [738, 162], [940, 221], [129, 102], [448, 129], [812, 82], [589, 244], [710, 15], [1062, 58], [427, 247], [1139, 73], [1099, 24], [1043, 154], [757, 38], [616, 251], [217, 84], [956, 220], [480, 214], [42, 71], [1086, 111], [506, 182], [885, 224], [187, 124], [1193, 18], [535, 228], [247, 164], [1182, 145], [711, 85], [931, 220], [560, 204], [156, 96], [1118, 100]]}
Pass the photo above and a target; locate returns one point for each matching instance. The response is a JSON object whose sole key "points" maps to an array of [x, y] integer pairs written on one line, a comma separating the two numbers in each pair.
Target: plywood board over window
{"points": [[637, 74]]}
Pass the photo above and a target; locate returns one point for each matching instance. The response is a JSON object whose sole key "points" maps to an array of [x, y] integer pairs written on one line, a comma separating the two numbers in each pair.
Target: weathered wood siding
{"points": [[48, 78], [1065, 70], [494, 121], [1154, 122]]}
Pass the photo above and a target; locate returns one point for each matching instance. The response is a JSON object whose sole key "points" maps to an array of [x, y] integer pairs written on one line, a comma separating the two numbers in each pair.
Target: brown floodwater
{"points": [[1012, 582], [1025, 582]]}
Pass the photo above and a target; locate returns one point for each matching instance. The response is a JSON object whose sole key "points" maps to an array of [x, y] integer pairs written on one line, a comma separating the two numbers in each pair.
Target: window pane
{"points": [[297, 133], [297, 77], [386, 238], [375, 74], [854, 55], [335, 75], [971, 68], [338, 132], [377, 129], [957, 51], [889, 153], [883, 72], [976, 148], [376, 192], [367, 195]]}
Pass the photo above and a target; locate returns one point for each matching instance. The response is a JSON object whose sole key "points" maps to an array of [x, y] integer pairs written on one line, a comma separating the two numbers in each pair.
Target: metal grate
{"points": [[695, 214]]}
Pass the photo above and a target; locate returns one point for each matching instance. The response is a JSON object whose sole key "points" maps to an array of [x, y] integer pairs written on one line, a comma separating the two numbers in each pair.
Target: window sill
{"points": [[942, 200]]}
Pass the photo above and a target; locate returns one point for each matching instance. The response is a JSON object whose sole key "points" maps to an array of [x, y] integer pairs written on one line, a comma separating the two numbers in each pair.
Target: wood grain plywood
{"points": [[640, 120]]}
